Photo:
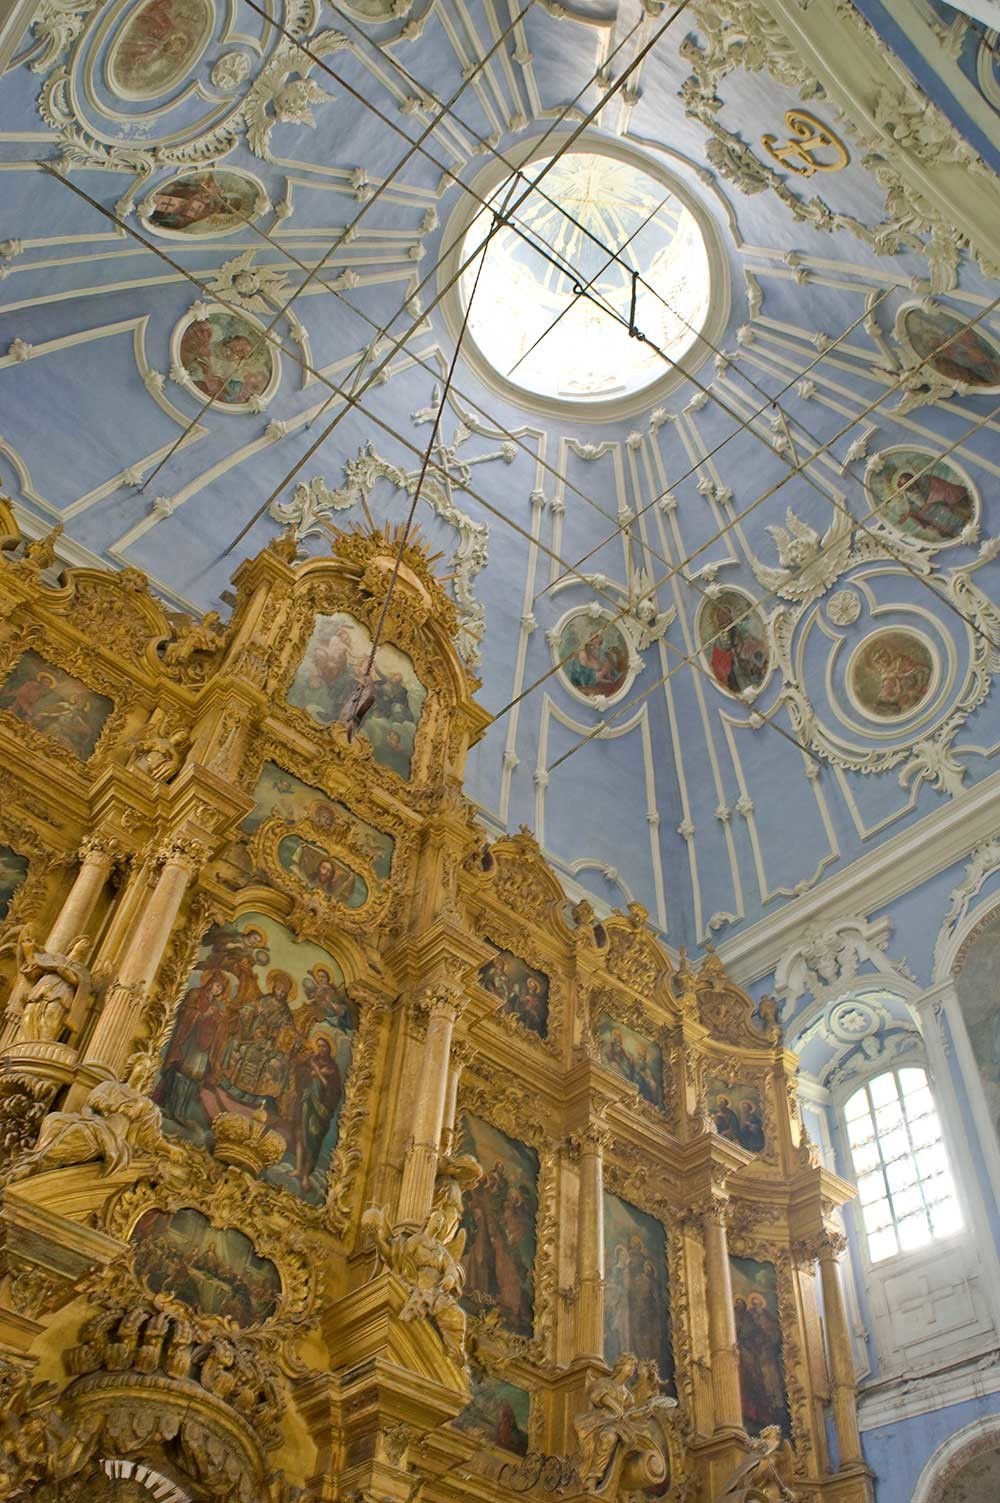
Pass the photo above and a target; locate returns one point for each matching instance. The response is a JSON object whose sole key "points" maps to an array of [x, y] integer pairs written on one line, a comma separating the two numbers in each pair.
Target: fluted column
{"points": [[114, 1032], [839, 1356], [461, 1054], [589, 1331], [721, 1319], [96, 860], [444, 1005]]}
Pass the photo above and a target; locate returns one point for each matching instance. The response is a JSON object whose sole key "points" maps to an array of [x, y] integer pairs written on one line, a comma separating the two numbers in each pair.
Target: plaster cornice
{"points": [[903, 862]]}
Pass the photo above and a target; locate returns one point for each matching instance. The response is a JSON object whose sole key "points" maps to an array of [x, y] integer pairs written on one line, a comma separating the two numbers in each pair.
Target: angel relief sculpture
{"points": [[59, 989], [623, 1437], [427, 1259]]}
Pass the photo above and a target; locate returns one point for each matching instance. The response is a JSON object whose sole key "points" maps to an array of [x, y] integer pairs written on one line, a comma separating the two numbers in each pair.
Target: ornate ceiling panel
{"points": [[754, 611]]}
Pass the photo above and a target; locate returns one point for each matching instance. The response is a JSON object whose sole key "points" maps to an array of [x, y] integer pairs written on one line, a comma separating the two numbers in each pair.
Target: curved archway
{"points": [[969, 1456]]}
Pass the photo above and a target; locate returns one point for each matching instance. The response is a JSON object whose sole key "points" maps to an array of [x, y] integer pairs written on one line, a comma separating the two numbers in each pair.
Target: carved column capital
{"points": [[829, 1243], [100, 847], [593, 1137]]}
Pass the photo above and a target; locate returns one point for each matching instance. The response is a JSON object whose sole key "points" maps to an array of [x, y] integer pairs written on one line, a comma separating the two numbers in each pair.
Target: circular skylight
{"points": [[594, 221]]}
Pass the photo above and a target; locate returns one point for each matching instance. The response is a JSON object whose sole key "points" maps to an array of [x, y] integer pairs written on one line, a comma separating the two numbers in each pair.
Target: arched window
{"points": [[906, 1192]]}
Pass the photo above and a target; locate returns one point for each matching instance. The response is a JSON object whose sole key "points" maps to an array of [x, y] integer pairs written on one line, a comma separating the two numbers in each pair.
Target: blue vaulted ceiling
{"points": [[754, 477]]}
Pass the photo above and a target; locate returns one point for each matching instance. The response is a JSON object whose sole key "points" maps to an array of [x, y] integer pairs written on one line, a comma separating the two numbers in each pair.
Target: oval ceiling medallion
{"points": [[226, 356], [891, 673], [210, 202], [596, 658], [952, 347], [157, 44], [732, 635], [922, 498]]}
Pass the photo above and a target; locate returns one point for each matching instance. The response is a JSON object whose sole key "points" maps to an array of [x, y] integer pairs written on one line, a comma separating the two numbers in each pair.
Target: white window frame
{"points": [[966, 1257], [912, 1060]]}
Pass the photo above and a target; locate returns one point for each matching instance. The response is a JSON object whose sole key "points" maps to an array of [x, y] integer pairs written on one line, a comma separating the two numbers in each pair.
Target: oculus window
{"points": [[594, 221], [906, 1193]]}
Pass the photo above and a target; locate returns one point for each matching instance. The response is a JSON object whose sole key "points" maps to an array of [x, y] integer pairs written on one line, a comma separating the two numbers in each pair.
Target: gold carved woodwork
{"points": [[356, 1377]]}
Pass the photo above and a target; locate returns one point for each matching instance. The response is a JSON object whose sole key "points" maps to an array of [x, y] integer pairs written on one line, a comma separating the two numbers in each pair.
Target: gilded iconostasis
{"points": [[499, 852]]}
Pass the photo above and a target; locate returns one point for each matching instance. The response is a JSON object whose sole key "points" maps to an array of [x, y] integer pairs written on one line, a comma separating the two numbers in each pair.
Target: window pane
{"points": [[925, 1131], [905, 1202], [918, 1102], [883, 1089], [901, 1173], [861, 1130], [946, 1218], [914, 1231], [882, 1244], [894, 1144], [877, 1215], [906, 1194], [857, 1105], [866, 1157], [871, 1187], [932, 1161]]}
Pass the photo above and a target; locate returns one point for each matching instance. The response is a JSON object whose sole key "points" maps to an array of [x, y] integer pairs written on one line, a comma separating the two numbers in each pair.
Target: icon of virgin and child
{"points": [[253, 1037]]}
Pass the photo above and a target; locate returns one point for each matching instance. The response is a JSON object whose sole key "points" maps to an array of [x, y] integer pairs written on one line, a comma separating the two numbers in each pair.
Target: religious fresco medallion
{"points": [[322, 873], [499, 1221], [758, 1340], [636, 1293], [264, 1027], [335, 659], [523, 991], [212, 1270], [737, 1113], [157, 45], [212, 202], [951, 347], [497, 1412], [13, 869], [595, 655], [923, 498], [891, 673], [225, 356], [43, 696], [732, 635], [632, 1057]]}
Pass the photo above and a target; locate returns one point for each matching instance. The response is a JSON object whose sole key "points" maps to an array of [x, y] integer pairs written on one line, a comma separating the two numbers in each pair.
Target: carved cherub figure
{"points": [[191, 638], [426, 1267], [115, 1125], [757, 1478], [157, 752], [623, 1444], [60, 986]]}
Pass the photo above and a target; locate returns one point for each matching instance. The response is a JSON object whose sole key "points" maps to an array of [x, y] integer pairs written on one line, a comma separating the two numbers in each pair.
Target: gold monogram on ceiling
{"points": [[806, 152]]}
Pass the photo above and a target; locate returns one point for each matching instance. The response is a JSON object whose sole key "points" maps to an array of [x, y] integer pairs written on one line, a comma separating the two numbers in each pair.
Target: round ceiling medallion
{"points": [[891, 673], [598, 289]]}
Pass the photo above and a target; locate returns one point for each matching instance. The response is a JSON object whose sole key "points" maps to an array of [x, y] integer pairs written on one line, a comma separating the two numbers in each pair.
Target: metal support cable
{"points": [[353, 399], [348, 229], [563, 148], [693, 659]]}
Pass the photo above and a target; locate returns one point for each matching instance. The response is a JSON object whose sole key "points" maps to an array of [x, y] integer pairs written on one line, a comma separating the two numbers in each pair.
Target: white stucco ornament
{"points": [[844, 608]]}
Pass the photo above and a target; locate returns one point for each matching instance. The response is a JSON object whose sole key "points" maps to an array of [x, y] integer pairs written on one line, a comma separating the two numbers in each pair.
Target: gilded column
{"points": [[461, 1054], [589, 1332], [721, 1319], [96, 860], [444, 1005], [839, 1355], [111, 1043]]}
